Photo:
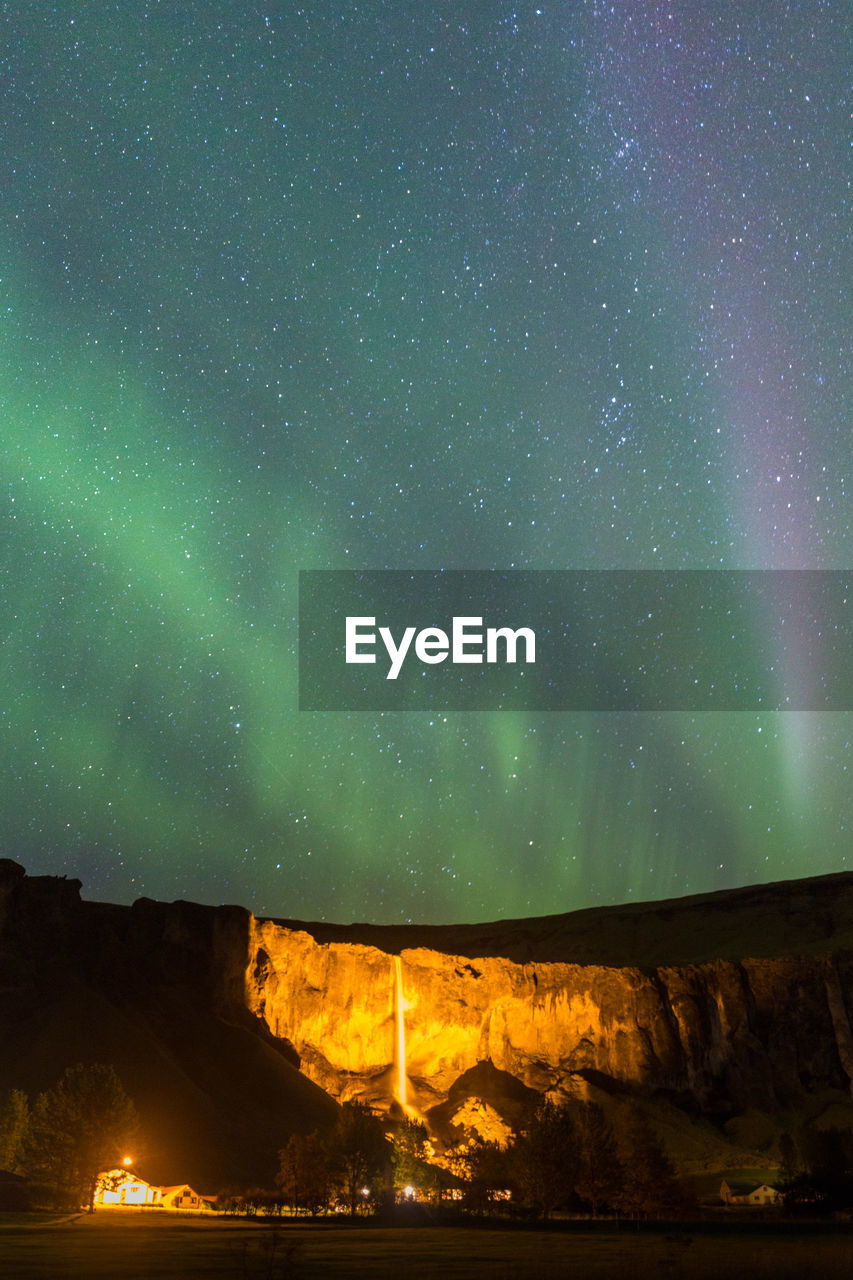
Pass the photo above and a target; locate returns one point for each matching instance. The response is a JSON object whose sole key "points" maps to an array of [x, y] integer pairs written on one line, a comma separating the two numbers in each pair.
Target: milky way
{"points": [[407, 286]]}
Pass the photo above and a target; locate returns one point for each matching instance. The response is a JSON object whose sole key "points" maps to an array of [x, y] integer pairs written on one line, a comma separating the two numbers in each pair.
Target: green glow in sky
{"points": [[388, 288]]}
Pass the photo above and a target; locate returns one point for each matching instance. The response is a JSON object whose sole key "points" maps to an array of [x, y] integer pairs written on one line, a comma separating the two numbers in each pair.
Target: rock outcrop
{"points": [[724, 1036], [231, 1032], [158, 990]]}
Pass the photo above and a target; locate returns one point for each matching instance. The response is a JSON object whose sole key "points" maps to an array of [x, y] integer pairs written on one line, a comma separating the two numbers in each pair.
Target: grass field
{"points": [[135, 1247]]}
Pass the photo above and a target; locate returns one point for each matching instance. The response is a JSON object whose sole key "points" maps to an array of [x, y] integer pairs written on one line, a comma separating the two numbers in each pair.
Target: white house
{"points": [[183, 1197], [117, 1187], [120, 1186], [736, 1193]]}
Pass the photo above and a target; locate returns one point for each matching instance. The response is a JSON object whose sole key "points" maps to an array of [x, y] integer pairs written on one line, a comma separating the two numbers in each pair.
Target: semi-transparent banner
{"points": [[575, 640]]}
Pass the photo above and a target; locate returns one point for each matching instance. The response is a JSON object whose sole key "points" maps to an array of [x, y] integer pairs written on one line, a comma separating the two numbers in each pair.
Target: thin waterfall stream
{"points": [[401, 1034]]}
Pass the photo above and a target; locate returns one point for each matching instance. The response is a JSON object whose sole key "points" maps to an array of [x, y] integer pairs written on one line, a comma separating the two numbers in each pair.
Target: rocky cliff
{"points": [[726, 1016], [721, 1037], [156, 989]]}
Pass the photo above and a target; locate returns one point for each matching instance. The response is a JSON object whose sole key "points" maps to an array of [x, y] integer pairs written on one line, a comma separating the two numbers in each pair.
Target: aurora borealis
{"points": [[408, 286]]}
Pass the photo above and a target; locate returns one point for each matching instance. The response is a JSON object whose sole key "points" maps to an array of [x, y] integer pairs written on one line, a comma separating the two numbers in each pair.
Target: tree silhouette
{"points": [[544, 1158], [358, 1152], [14, 1127], [78, 1129], [600, 1172], [410, 1158], [487, 1169], [305, 1175], [826, 1183], [650, 1187], [791, 1164], [827, 1152]]}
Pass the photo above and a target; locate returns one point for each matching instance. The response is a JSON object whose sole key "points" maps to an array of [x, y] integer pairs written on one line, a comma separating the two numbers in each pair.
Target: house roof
{"points": [[127, 1175], [745, 1187]]}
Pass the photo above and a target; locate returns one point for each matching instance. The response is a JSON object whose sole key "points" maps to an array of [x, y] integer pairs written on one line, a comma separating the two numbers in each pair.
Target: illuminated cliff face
{"points": [[694, 1029], [160, 988], [342, 1007], [335, 1004]]}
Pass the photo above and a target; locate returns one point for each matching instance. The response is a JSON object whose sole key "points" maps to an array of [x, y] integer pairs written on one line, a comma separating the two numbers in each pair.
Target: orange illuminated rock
{"points": [[728, 1016], [719, 1031]]}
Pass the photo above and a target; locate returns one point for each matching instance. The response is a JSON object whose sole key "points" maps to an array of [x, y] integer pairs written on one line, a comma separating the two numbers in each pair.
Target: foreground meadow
{"points": [[138, 1247]]}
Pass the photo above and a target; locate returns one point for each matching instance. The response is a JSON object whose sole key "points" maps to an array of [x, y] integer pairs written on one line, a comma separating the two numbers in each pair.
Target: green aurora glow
{"points": [[384, 289]]}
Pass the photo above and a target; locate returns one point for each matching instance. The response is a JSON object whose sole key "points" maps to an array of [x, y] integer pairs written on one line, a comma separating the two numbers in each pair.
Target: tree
{"points": [[600, 1172], [826, 1183], [789, 1156], [358, 1152], [650, 1186], [544, 1159], [14, 1127], [305, 1175], [410, 1153], [487, 1172], [80, 1128], [827, 1152]]}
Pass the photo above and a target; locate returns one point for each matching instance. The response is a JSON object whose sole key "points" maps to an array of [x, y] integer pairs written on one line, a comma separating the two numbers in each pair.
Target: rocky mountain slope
{"points": [[726, 1016], [157, 990]]}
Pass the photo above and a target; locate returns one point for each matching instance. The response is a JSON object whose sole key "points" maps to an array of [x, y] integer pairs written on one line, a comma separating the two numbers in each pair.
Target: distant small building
{"points": [[747, 1193], [121, 1187], [183, 1197]]}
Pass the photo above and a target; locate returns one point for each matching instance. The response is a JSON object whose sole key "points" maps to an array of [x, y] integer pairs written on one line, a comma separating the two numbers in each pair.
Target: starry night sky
{"points": [[554, 285]]}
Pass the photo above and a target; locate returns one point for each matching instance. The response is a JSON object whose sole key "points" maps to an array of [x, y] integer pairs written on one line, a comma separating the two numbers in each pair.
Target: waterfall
{"points": [[401, 1033]]}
